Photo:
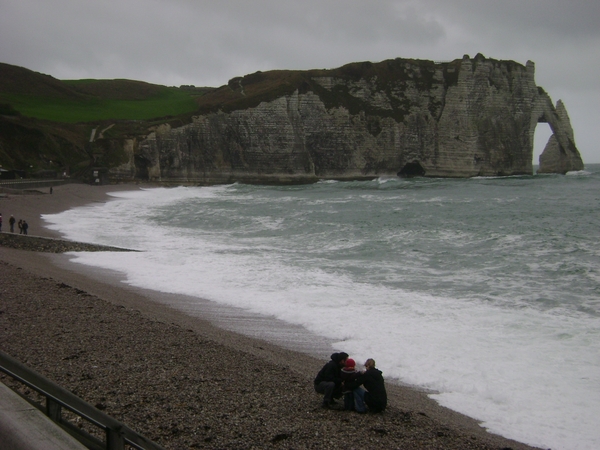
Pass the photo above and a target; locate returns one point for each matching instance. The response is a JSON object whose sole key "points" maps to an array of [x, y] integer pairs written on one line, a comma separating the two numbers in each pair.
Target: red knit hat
{"points": [[350, 364]]}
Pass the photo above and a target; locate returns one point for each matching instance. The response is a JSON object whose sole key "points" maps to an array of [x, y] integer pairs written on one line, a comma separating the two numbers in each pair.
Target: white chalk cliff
{"points": [[469, 117]]}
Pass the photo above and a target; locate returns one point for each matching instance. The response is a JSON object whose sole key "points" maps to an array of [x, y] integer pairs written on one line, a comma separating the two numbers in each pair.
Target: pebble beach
{"points": [[182, 381]]}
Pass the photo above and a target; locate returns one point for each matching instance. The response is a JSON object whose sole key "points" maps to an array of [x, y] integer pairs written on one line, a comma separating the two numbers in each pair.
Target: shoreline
{"points": [[288, 416]]}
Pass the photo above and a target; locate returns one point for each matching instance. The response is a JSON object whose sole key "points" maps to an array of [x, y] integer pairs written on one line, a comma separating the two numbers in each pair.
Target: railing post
{"points": [[114, 440], [53, 410]]}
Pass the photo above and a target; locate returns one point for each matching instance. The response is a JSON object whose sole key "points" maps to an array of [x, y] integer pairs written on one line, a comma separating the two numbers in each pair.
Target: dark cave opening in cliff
{"points": [[411, 169], [141, 165]]}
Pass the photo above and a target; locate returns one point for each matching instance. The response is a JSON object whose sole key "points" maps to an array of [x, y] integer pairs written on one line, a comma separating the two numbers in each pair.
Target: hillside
{"points": [[46, 124], [41, 96], [17, 81]]}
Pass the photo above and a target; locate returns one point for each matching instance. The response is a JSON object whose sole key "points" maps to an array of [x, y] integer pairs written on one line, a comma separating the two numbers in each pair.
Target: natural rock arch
{"points": [[560, 154], [463, 118]]}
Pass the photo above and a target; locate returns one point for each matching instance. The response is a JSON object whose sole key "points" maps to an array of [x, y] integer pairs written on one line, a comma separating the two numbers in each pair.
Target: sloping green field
{"points": [[165, 102]]}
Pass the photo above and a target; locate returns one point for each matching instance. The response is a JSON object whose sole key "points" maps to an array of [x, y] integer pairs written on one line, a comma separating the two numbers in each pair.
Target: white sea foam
{"points": [[578, 173], [529, 370]]}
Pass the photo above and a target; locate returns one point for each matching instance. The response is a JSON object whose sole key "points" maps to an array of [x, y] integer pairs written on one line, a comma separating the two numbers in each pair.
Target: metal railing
{"points": [[117, 434]]}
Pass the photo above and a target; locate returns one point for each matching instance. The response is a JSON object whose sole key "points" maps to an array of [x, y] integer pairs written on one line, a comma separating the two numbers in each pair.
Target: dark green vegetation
{"points": [[164, 102], [43, 97], [46, 124]]}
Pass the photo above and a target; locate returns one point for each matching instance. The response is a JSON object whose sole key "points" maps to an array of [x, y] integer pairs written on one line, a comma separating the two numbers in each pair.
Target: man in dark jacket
{"points": [[328, 381], [371, 379]]}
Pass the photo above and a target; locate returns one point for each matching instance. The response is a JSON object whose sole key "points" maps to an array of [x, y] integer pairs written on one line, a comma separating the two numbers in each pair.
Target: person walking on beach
{"points": [[328, 381], [353, 400], [11, 222], [20, 226], [375, 395], [24, 227]]}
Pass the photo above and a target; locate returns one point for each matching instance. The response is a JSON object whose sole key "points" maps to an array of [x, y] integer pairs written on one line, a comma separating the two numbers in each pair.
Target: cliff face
{"points": [[465, 118]]}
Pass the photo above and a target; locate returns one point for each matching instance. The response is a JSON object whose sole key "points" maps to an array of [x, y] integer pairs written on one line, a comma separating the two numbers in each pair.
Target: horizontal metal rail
{"points": [[117, 434]]}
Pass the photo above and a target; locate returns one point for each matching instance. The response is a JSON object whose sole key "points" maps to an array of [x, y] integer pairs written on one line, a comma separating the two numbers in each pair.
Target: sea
{"points": [[483, 292]]}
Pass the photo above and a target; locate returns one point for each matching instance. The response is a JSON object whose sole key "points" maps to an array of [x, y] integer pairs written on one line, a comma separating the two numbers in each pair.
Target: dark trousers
{"points": [[326, 388], [329, 390]]}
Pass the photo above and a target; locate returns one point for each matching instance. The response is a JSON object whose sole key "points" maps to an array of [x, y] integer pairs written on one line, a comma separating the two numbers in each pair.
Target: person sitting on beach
{"points": [[353, 401], [375, 395], [328, 381]]}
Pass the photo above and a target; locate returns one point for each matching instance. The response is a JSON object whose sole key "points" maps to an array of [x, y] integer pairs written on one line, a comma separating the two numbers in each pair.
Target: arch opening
{"points": [[542, 134]]}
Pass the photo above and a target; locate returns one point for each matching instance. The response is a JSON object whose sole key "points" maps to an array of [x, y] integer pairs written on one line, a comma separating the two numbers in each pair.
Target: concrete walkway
{"points": [[24, 427]]}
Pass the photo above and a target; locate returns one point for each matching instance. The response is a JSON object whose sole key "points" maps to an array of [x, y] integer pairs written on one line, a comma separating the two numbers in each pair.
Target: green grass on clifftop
{"points": [[38, 96], [164, 102]]}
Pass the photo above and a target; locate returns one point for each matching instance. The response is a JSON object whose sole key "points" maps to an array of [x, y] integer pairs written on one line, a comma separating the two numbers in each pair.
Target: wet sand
{"points": [[199, 378]]}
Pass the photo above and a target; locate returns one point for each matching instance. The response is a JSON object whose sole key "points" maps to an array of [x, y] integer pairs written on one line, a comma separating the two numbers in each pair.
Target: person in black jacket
{"points": [[328, 381], [371, 379]]}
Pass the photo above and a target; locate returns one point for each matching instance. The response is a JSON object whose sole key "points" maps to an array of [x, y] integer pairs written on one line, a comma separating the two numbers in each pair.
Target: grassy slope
{"points": [[164, 102], [45, 123], [43, 97], [168, 102]]}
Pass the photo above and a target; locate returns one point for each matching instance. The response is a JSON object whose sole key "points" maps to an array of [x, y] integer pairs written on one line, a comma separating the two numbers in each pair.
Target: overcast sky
{"points": [[205, 43]]}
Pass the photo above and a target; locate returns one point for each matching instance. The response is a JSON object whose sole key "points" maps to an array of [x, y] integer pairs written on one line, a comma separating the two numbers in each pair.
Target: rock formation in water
{"points": [[464, 118]]}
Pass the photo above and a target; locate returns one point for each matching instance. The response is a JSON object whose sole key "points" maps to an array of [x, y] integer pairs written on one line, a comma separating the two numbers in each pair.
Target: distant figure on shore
{"points": [[51, 189], [24, 227], [353, 400], [20, 224], [375, 395], [328, 381], [11, 222], [0, 222]]}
